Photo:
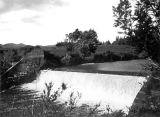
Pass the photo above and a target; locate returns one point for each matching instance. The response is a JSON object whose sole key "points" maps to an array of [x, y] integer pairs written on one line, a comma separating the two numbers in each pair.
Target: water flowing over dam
{"points": [[118, 91]]}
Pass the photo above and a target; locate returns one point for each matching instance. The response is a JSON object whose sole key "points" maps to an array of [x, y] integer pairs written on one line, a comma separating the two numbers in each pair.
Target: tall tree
{"points": [[123, 15], [145, 36], [141, 28], [90, 36], [144, 33], [85, 42]]}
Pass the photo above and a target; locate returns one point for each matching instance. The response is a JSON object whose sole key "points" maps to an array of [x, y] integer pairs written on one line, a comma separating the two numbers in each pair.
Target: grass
{"points": [[101, 49], [133, 67], [114, 48]]}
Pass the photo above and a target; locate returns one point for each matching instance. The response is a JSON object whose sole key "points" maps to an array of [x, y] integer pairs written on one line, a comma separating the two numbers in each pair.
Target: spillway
{"points": [[116, 90]]}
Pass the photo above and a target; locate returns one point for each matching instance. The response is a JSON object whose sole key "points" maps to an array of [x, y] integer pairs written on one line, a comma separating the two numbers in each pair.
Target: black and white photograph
{"points": [[79, 58]]}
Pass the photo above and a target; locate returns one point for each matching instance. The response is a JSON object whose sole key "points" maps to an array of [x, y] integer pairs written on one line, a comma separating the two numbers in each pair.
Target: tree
{"points": [[85, 51], [123, 16], [89, 36], [72, 39], [120, 41], [144, 34], [144, 38], [85, 42], [76, 35], [92, 47], [153, 10], [141, 27], [108, 42]]}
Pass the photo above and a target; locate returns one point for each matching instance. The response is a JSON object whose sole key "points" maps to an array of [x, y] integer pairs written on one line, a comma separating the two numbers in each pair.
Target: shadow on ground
{"points": [[16, 98]]}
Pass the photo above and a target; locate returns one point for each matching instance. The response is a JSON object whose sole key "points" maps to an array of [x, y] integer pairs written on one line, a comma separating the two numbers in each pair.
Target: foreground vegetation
{"points": [[48, 105]]}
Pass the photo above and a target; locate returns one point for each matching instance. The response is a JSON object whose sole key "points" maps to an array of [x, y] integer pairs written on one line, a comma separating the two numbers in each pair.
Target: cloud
{"points": [[9, 5], [60, 3], [32, 19]]}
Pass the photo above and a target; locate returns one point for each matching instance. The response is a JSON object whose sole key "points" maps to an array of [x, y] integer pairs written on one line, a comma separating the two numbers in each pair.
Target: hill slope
{"points": [[12, 45]]}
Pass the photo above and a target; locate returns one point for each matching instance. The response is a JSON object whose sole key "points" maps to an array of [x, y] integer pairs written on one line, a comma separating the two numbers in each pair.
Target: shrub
{"points": [[143, 55], [61, 44], [76, 59], [66, 60], [151, 103], [72, 59], [150, 106], [85, 51], [128, 56], [99, 57], [111, 56], [72, 103], [92, 47], [52, 58], [106, 57], [70, 47]]}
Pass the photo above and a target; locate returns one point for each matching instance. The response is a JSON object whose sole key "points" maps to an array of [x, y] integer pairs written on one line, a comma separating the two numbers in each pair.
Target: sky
{"points": [[45, 22]]}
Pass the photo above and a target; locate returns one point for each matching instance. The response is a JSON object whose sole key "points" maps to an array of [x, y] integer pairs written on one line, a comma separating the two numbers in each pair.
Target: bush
{"points": [[151, 103], [85, 51], [69, 47], [128, 56], [66, 60], [99, 57], [106, 57], [52, 58], [60, 44], [72, 59], [111, 56], [143, 55], [92, 47], [149, 106]]}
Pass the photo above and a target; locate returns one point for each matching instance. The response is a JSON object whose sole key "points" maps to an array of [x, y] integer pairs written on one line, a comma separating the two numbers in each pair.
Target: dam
{"points": [[117, 91]]}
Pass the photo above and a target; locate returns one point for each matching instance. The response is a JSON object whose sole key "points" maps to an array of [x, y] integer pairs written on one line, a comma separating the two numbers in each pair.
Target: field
{"points": [[114, 48], [101, 49], [133, 67]]}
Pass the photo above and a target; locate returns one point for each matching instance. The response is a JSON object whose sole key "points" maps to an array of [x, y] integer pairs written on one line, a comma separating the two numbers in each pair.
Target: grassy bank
{"points": [[133, 67]]}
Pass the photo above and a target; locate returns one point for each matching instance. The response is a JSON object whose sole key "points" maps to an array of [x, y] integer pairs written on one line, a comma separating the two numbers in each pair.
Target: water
{"points": [[117, 91]]}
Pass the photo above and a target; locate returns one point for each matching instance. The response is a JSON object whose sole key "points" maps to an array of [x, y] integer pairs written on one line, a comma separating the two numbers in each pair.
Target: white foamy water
{"points": [[116, 90]]}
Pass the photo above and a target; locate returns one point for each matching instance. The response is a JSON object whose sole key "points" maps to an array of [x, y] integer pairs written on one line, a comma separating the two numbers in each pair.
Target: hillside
{"points": [[12, 45]]}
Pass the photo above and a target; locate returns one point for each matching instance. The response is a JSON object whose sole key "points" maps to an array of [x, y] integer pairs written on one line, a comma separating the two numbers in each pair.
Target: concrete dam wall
{"points": [[116, 90]]}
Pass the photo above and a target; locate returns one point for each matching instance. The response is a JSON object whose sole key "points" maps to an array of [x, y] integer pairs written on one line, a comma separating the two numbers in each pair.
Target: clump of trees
{"points": [[107, 43], [79, 44], [120, 41], [60, 44], [83, 43], [141, 25]]}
